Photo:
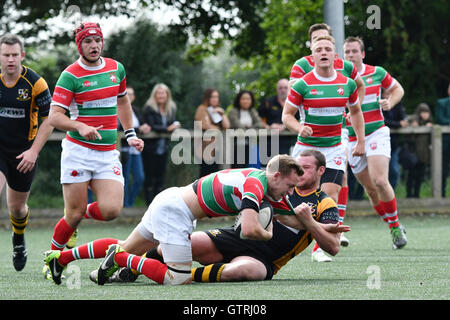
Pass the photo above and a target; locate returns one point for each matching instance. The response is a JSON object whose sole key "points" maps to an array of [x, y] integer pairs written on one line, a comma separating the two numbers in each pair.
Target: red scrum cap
{"points": [[87, 29]]}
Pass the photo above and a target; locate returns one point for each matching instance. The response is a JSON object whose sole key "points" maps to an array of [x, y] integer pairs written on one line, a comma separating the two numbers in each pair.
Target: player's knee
{"points": [[243, 273], [381, 183], [110, 212], [177, 274]]}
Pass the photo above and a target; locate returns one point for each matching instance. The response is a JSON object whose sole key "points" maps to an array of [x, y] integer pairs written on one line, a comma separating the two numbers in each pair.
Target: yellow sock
{"points": [[19, 225], [209, 273]]}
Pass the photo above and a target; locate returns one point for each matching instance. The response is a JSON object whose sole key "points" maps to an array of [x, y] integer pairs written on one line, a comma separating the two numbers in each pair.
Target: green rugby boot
{"points": [[398, 237], [56, 269], [108, 265]]}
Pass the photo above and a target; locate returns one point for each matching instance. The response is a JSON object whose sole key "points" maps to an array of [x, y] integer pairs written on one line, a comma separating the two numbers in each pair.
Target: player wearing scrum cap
{"points": [[89, 96]]}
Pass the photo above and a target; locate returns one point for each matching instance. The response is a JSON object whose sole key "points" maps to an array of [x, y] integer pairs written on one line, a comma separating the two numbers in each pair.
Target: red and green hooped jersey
{"points": [[374, 79], [221, 193], [306, 64], [90, 95], [323, 102]]}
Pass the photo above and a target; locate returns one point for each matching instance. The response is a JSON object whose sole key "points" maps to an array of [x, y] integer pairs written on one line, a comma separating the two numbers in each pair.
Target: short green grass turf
{"points": [[419, 271]]}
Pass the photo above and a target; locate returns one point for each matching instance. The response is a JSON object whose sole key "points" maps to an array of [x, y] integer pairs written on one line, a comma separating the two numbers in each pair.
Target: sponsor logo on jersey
{"points": [[12, 113], [315, 92], [88, 83], [340, 90], [369, 80]]}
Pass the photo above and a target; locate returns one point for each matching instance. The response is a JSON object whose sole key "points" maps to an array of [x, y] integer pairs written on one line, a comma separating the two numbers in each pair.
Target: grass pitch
{"points": [[368, 269]]}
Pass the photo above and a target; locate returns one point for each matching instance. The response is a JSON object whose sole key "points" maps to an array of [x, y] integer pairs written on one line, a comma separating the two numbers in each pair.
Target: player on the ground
{"points": [[227, 257], [372, 170], [24, 99], [89, 96], [168, 221], [322, 96], [348, 69]]}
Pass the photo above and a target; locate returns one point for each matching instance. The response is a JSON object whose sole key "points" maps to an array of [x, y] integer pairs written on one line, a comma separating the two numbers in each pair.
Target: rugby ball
{"points": [[265, 217]]}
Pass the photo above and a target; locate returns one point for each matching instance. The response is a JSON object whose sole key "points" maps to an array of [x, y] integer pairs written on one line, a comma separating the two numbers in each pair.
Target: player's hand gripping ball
{"points": [[265, 217]]}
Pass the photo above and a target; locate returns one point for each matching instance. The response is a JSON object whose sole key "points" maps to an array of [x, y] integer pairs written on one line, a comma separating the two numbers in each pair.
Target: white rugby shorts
{"points": [[81, 164], [335, 156], [377, 143], [168, 219]]}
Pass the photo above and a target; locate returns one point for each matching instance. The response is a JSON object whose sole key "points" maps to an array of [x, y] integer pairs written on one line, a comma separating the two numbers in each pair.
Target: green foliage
{"points": [[412, 44], [151, 55], [285, 24]]}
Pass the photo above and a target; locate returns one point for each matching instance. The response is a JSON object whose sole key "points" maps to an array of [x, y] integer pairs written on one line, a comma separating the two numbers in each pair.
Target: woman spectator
{"points": [[212, 116], [159, 113], [422, 117], [243, 115]]}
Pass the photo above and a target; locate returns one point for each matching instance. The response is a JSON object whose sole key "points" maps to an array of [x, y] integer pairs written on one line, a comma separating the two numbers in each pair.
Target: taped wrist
{"points": [[130, 134]]}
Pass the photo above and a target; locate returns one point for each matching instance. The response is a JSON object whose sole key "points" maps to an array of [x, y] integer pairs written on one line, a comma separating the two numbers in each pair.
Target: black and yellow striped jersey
{"points": [[290, 244], [21, 105]]}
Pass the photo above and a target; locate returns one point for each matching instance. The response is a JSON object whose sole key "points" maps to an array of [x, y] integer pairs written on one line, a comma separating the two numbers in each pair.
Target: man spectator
{"points": [[270, 112]]}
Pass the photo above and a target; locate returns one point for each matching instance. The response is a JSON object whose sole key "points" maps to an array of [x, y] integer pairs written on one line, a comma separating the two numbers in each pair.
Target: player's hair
{"points": [[11, 39], [320, 157], [319, 26], [355, 39], [284, 164], [170, 106], [329, 38]]}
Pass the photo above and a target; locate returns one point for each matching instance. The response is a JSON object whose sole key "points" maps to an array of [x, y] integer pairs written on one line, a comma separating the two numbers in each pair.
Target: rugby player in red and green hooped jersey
{"points": [[169, 221], [306, 64], [372, 170], [89, 96], [348, 69], [321, 96]]}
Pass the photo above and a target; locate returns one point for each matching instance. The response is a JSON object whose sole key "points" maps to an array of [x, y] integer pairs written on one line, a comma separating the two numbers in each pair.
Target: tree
{"points": [[151, 55]]}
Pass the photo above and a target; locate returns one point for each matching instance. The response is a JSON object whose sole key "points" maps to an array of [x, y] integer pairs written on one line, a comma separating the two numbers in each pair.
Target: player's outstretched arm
{"points": [[328, 241]]}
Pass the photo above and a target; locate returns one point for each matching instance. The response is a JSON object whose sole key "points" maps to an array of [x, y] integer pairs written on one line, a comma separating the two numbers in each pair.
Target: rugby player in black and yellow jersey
{"points": [[24, 98], [227, 257]]}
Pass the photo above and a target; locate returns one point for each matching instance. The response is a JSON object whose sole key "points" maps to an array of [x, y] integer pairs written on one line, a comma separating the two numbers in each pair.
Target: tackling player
{"points": [[372, 169], [227, 257], [169, 221], [24, 98]]}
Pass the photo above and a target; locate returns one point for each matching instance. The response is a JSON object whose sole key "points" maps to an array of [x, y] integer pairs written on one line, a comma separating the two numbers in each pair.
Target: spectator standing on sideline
{"points": [[395, 118], [89, 96], [133, 167], [159, 113], [443, 118], [211, 116], [24, 98], [422, 117], [270, 112], [244, 116]]}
